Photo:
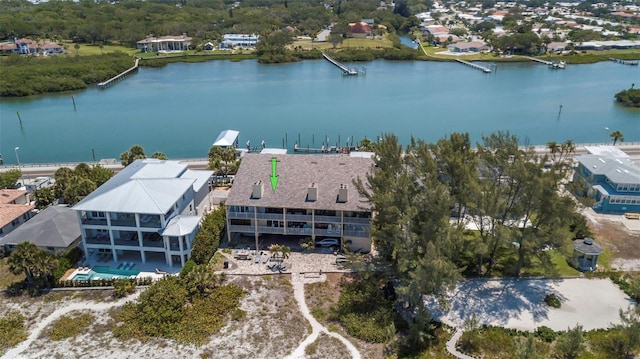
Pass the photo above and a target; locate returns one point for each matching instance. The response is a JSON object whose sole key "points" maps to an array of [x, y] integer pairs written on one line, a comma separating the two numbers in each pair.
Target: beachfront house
{"points": [[313, 197], [242, 41], [164, 44], [614, 181], [146, 213], [54, 229], [15, 209]]}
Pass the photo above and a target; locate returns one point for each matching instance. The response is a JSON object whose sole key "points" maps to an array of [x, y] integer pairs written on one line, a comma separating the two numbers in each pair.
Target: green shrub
{"points": [[188, 267], [12, 330], [365, 312], [238, 315], [188, 310], [546, 334], [123, 287], [552, 300], [69, 326]]}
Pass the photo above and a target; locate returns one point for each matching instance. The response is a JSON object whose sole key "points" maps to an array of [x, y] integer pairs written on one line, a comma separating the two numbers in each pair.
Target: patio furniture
{"points": [[258, 257], [266, 258]]}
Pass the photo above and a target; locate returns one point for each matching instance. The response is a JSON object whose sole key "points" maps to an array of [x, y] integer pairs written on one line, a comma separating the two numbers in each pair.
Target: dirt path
{"points": [[298, 282], [35, 333], [451, 346]]}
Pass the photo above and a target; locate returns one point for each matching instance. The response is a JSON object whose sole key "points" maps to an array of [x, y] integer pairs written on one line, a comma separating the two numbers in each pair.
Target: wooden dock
{"points": [[625, 62], [119, 77], [548, 63], [345, 70], [475, 66], [323, 149]]}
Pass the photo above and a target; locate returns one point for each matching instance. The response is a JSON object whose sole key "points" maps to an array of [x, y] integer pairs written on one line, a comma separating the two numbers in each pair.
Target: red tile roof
{"points": [[9, 212], [7, 196], [359, 28]]}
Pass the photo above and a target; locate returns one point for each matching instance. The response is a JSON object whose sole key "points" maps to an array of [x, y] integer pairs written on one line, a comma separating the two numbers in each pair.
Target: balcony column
{"points": [[313, 224], [83, 233], [228, 230], [167, 250], [255, 226], [180, 240], [284, 221]]}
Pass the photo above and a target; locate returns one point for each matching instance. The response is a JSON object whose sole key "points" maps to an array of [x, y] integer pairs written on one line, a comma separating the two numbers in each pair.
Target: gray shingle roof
{"points": [[587, 246], [56, 226], [618, 170], [296, 173]]}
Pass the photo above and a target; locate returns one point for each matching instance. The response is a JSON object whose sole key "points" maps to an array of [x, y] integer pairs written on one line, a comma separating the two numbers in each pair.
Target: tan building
{"points": [[14, 209], [314, 196]]}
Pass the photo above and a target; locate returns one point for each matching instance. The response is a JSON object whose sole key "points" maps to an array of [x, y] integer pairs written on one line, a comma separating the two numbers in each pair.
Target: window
{"points": [[15, 222]]}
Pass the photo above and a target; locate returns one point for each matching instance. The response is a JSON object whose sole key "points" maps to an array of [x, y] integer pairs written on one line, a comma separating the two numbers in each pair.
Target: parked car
{"points": [[328, 242]]}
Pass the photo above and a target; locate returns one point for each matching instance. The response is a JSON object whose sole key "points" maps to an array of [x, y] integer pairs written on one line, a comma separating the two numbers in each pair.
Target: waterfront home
{"points": [[52, 230], [242, 41], [51, 48], [556, 47], [147, 212], [164, 44], [359, 29], [614, 181], [15, 209], [312, 196], [473, 46]]}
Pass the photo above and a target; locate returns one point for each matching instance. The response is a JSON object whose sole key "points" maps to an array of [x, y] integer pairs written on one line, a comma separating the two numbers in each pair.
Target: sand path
{"points": [[79, 306], [298, 282]]}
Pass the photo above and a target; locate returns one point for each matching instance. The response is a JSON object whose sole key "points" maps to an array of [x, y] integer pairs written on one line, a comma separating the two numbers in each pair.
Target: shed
{"points": [[585, 254], [227, 138]]}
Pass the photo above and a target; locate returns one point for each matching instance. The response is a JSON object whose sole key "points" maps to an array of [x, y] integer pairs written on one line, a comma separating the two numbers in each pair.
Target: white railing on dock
{"points": [[111, 81], [624, 62], [345, 70], [539, 60], [475, 66]]}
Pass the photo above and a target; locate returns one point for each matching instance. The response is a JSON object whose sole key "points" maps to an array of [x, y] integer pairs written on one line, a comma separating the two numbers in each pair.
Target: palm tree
{"points": [[36, 264], [77, 47], [616, 136]]}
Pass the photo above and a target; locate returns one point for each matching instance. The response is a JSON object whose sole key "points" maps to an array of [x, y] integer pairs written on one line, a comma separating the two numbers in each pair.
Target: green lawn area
{"points": [[347, 43], [86, 49]]}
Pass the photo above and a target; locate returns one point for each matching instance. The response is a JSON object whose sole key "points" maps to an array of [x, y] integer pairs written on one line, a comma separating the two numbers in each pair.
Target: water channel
{"points": [[180, 109]]}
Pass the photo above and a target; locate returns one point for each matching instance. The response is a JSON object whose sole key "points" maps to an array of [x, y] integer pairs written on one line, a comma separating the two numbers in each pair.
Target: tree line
{"points": [[448, 209], [27, 75]]}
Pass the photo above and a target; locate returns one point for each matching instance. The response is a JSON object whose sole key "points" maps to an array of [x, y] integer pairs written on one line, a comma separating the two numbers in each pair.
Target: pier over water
{"points": [[345, 70], [119, 77], [475, 66]]}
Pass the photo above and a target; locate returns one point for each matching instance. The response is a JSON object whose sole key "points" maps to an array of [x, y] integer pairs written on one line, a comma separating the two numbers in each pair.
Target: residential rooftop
{"points": [[296, 173]]}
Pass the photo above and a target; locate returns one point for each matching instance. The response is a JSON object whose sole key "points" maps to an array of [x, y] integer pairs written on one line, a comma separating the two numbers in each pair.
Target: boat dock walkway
{"points": [[548, 63], [475, 66], [624, 62], [119, 77], [345, 70]]}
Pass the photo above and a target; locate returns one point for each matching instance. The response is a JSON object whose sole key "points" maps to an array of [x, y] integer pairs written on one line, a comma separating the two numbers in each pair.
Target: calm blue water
{"points": [[181, 108]]}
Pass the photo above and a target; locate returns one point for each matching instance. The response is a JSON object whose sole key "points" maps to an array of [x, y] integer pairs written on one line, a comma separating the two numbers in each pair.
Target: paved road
{"points": [[48, 169]]}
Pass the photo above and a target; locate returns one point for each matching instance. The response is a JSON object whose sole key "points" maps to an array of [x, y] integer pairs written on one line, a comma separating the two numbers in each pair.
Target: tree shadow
{"points": [[495, 302]]}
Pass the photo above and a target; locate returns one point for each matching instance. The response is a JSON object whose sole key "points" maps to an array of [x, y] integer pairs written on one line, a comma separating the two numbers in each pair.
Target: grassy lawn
{"points": [[347, 43], [6, 277], [86, 49]]}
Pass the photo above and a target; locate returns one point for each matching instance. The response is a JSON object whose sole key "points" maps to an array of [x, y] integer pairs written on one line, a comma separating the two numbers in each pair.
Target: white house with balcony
{"points": [[146, 213], [243, 41], [314, 197]]}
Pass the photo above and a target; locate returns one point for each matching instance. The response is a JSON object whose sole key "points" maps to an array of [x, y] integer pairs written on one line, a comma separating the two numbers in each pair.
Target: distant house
{"points": [[243, 41], [52, 230], [26, 46], [359, 29], [556, 46], [208, 46], [14, 210], [370, 22], [473, 46], [164, 44], [51, 48]]}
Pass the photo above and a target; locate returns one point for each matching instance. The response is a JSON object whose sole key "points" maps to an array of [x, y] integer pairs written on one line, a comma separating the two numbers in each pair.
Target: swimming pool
{"points": [[102, 272]]}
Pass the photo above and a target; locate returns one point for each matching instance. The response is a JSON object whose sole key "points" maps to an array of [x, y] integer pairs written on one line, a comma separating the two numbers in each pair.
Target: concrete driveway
{"points": [[519, 303]]}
